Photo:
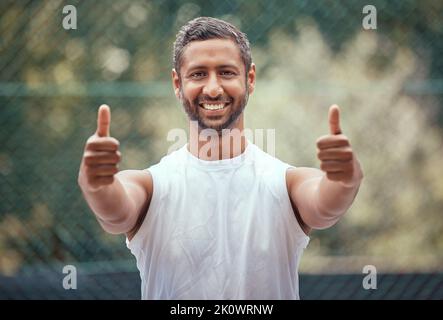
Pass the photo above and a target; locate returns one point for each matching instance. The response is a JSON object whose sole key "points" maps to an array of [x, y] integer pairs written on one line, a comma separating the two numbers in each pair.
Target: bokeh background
{"points": [[309, 54]]}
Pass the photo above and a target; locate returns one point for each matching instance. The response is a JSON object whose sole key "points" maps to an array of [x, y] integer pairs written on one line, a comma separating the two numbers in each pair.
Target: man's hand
{"points": [[322, 199], [336, 155], [101, 156]]}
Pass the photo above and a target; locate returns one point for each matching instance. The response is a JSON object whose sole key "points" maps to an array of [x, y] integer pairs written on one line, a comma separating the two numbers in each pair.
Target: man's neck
{"points": [[210, 146]]}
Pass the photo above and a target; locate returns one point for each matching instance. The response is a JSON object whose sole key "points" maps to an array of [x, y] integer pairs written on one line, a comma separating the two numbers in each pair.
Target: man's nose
{"points": [[212, 87]]}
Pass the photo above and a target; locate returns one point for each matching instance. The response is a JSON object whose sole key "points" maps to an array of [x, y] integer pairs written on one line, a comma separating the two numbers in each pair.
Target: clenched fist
{"points": [[101, 156], [335, 153]]}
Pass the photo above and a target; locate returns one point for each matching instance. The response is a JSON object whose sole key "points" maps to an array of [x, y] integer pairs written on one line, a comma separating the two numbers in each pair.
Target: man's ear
{"points": [[251, 78], [176, 83]]}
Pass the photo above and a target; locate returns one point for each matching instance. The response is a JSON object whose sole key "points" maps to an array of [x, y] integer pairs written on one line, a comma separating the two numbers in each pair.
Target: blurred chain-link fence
{"points": [[309, 54]]}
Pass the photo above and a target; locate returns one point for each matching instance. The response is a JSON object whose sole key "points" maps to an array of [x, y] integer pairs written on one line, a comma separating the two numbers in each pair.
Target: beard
{"points": [[236, 108]]}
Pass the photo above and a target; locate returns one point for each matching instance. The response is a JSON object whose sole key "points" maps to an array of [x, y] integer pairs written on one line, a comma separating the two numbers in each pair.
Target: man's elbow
{"points": [[323, 220], [116, 226]]}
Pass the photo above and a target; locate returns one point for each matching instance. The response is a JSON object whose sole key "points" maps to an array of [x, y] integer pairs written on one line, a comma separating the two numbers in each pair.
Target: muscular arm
{"points": [[119, 200], [120, 206], [319, 201], [321, 197]]}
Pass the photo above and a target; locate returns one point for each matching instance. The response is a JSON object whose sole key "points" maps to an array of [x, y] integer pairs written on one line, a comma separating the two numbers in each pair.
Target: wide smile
{"points": [[214, 108]]}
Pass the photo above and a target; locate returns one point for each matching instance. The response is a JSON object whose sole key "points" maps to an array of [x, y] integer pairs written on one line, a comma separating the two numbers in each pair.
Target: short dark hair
{"points": [[206, 28]]}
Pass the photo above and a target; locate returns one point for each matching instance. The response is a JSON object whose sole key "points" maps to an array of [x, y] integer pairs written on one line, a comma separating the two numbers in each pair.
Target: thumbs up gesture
{"points": [[335, 154], [101, 156]]}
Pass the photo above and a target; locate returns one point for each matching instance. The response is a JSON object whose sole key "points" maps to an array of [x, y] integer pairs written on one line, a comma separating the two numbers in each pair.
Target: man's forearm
{"points": [[110, 204], [334, 198]]}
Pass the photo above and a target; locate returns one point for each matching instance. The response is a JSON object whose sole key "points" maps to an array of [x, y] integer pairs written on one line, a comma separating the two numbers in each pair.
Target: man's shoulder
{"points": [[298, 175], [295, 177], [142, 178]]}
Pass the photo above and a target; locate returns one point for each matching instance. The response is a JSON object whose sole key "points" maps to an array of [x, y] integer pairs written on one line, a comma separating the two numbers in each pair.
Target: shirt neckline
{"points": [[218, 164]]}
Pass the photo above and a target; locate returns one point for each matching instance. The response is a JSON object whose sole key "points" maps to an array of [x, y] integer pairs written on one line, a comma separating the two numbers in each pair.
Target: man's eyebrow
{"points": [[196, 67], [227, 66], [233, 66]]}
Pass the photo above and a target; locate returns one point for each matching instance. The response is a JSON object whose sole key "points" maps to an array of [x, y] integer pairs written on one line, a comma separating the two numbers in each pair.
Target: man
{"points": [[215, 219]]}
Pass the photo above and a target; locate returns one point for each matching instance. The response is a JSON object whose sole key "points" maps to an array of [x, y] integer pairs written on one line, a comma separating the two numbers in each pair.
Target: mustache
{"points": [[205, 99]]}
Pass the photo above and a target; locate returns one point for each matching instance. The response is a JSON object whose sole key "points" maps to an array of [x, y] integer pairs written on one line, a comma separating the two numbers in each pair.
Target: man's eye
{"points": [[227, 73], [197, 75]]}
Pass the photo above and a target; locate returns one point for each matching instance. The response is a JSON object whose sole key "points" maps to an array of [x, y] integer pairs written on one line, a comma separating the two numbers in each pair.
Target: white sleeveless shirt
{"points": [[220, 229]]}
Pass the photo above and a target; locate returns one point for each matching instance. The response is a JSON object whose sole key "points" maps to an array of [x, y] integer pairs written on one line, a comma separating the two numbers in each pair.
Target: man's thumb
{"points": [[103, 121], [334, 120]]}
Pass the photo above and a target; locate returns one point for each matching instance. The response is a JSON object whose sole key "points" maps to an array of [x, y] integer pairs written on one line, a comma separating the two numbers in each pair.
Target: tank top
{"points": [[221, 229]]}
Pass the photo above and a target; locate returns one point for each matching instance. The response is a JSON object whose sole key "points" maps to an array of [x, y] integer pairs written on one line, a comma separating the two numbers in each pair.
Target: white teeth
{"points": [[213, 106]]}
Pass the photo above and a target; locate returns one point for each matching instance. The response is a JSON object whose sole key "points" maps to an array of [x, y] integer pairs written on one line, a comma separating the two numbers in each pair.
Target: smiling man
{"points": [[225, 222]]}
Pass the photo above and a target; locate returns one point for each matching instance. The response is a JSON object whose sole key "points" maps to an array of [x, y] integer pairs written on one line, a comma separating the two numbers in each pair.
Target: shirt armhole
{"points": [[137, 240], [292, 209]]}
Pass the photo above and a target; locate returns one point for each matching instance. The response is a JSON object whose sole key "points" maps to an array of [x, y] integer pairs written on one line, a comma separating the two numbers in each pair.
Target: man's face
{"points": [[212, 86]]}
